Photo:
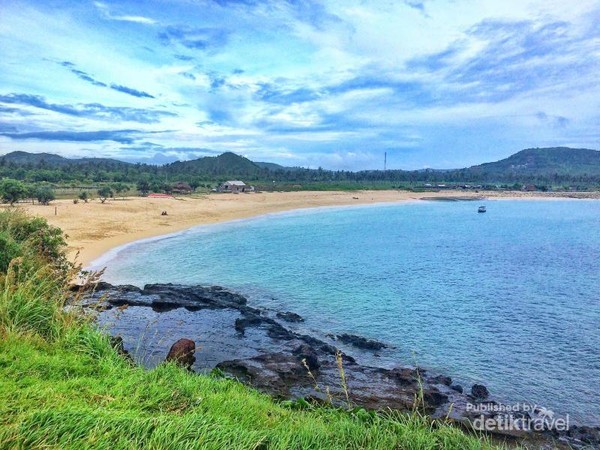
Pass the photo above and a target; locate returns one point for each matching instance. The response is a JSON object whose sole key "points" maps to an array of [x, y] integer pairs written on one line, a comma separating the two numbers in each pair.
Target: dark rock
{"points": [[236, 368], [587, 435], [347, 358], [458, 388], [434, 398], [103, 286], [247, 321], [290, 317], [317, 343], [361, 342], [274, 328], [479, 391], [215, 295], [307, 353], [441, 379], [164, 297], [276, 331], [182, 352], [405, 376], [275, 373]]}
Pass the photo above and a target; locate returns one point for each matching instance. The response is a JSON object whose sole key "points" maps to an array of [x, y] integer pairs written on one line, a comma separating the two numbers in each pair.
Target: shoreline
{"points": [[105, 257], [285, 360], [93, 229]]}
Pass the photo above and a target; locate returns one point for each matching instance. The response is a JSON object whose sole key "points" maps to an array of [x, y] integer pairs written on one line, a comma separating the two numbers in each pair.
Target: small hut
{"points": [[235, 187]]}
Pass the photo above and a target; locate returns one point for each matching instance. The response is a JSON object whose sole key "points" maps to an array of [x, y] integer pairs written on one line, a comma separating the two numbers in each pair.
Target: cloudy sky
{"points": [[434, 83]]}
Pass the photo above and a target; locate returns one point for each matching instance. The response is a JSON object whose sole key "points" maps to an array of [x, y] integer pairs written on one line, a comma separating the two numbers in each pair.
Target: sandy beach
{"points": [[94, 228]]}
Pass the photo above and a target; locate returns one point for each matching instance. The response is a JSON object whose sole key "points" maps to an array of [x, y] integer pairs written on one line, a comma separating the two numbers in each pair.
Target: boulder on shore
{"points": [[290, 317], [182, 353], [479, 391], [360, 342]]}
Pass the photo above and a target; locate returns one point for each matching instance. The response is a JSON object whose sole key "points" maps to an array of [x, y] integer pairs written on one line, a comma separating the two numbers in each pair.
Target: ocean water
{"points": [[509, 298]]}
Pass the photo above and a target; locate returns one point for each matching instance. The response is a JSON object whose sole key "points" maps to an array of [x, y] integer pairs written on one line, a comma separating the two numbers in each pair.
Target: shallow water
{"points": [[509, 298]]}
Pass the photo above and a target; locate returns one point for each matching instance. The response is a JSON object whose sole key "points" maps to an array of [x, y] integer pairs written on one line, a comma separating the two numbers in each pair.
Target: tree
{"points": [[83, 195], [195, 184], [104, 193], [143, 186], [120, 187], [12, 191], [44, 194]]}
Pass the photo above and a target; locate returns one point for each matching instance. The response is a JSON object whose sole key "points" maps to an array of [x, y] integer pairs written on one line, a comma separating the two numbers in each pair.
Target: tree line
{"points": [[149, 178], [13, 191]]}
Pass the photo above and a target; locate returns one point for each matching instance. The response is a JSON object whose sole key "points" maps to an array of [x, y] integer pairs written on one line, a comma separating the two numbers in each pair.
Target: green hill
{"points": [[22, 158], [227, 164], [275, 167], [545, 161], [51, 160]]}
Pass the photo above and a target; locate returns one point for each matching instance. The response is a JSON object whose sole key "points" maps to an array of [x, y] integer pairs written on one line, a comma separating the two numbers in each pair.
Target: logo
{"points": [[519, 417]]}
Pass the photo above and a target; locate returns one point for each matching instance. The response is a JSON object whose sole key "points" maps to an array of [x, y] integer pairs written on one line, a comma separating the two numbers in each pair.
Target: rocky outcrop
{"points": [[285, 357], [290, 317], [585, 437], [442, 379], [275, 373], [458, 388], [360, 342], [307, 355], [166, 297], [257, 348]]}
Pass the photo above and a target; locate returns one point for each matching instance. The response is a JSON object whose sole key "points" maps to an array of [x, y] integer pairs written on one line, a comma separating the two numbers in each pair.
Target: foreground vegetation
{"points": [[64, 386]]}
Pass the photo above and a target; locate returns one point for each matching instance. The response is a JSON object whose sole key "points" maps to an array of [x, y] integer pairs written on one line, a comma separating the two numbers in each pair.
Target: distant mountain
{"points": [[22, 158], [227, 164], [534, 165], [545, 161], [275, 167], [51, 160]]}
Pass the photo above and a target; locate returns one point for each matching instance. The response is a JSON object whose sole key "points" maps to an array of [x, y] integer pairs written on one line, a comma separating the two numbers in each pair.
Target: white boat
{"points": [[481, 209]]}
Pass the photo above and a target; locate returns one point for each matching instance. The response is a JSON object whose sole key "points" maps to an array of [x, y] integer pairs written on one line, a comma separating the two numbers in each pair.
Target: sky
{"points": [[335, 84]]}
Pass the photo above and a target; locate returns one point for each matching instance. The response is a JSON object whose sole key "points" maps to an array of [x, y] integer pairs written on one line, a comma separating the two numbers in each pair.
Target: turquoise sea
{"points": [[509, 298]]}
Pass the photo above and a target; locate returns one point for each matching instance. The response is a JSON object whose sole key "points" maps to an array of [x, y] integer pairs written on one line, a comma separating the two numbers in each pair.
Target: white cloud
{"points": [[340, 79], [104, 9]]}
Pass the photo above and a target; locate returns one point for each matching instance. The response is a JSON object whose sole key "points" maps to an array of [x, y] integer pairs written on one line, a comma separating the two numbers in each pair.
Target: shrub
{"points": [[35, 240], [104, 193], [44, 194]]}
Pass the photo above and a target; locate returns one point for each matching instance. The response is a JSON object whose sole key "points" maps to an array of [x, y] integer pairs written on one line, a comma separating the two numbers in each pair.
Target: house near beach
{"points": [[235, 187]]}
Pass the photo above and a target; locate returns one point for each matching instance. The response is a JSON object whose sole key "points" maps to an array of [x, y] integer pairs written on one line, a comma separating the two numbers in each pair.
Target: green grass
{"points": [[63, 386]]}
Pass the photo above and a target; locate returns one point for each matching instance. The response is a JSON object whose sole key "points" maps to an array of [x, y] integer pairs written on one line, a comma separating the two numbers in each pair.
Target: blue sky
{"points": [[336, 84]]}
